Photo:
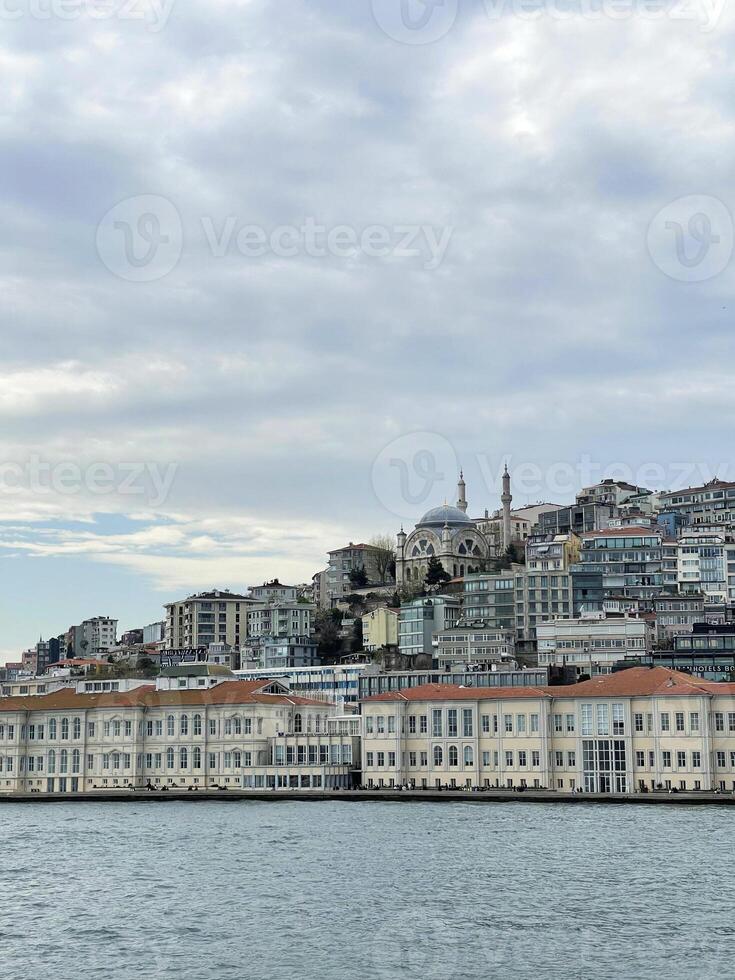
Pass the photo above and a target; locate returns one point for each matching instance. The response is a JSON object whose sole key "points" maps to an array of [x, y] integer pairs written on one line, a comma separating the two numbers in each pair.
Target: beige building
{"points": [[592, 643], [187, 731], [632, 731], [210, 617], [380, 628]]}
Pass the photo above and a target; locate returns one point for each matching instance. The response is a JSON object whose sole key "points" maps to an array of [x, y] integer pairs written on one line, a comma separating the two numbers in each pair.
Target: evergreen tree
{"points": [[435, 573]]}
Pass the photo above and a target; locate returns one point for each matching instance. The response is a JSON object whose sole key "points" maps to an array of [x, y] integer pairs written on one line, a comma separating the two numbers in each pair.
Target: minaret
{"points": [[506, 499], [461, 492], [400, 556]]}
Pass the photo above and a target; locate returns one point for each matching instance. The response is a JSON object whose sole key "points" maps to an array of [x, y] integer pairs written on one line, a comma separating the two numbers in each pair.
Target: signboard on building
{"points": [[186, 655]]}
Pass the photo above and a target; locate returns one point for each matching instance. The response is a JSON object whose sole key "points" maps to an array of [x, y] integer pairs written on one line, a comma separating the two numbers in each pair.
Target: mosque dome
{"points": [[439, 516]]}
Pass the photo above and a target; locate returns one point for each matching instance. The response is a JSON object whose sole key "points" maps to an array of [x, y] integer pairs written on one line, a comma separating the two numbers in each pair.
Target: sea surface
{"points": [[365, 891]]}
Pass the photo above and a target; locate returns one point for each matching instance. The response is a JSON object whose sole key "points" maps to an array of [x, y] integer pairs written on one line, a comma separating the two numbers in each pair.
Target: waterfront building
{"points": [[422, 618], [210, 732], [380, 628], [209, 617], [592, 643], [631, 731]]}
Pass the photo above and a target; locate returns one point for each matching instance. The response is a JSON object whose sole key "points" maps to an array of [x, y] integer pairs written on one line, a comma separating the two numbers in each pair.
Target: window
{"points": [[75, 761], [696, 760], [521, 724], [681, 760], [412, 724], [638, 722], [128, 729], [721, 760], [183, 758], [467, 728], [369, 759], [63, 761], [719, 721], [170, 730], [730, 721], [603, 719], [116, 729], [570, 724], [212, 726], [534, 723], [197, 722], [694, 721], [77, 730], [571, 759], [298, 723], [64, 729], [380, 724], [468, 756], [665, 722], [535, 758], [52, 761], [486, 724], [586, 719], [508, 723], [453, 756], [679, 721], [666, 760], [436, 723], [509, 759], [640, 757], [559, 760], [169, 758], [391, 724], [438, 755], [184, 725], [423, 724], [618, 720]]}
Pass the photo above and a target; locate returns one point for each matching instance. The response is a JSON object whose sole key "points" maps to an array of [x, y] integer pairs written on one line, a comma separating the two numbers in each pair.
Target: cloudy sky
{"points": [[271, 272]]}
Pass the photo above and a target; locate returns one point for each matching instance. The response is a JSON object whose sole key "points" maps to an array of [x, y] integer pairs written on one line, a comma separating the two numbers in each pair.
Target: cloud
{"points": [[271, 384]]}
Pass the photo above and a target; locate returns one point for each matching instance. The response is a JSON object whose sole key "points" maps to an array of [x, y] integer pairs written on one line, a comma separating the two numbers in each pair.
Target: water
{"points": [[370, 891]]}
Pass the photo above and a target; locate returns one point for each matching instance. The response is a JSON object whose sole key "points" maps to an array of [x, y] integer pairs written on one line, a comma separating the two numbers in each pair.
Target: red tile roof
{"points": [[228, 692]]}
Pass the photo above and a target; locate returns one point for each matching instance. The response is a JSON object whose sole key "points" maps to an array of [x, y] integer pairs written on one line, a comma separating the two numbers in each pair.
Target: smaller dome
{"points": [[439, 516]]}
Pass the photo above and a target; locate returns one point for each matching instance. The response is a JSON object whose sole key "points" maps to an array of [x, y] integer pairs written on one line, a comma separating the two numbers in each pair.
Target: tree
{"points": [[356, 641], [358, 577], [326, 629], [384, 557], [435, 573]]}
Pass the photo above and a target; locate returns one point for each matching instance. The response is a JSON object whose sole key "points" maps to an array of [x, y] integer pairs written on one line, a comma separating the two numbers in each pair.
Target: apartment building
{"points": [[624, 561], [343, 562], [209, 617], [198, 732], [543, 590], [380, 628], [592, 643], [711, 504], [633, 731], [421, 619], [675, 615], [473, 643]]}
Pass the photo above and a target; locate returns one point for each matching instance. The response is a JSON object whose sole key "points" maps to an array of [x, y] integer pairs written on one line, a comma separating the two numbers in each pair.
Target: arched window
{"points": [[468, 756], [196, 758], [52, 761], [237, 759], [171, 725], [183, 759], [184, 728], [453, 755], [297, 723], [64, 761], [197, 724], [77, 728], [75, 759], [64, 729], [438, 755], [169, 758]]}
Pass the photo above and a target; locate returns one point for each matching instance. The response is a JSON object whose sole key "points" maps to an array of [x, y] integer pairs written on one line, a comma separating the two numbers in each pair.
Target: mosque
{"points": [[461, 544]]}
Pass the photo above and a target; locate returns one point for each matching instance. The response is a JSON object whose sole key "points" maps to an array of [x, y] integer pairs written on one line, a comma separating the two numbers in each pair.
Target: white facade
{"points": [[591, 643]]}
